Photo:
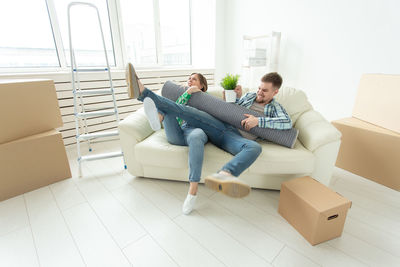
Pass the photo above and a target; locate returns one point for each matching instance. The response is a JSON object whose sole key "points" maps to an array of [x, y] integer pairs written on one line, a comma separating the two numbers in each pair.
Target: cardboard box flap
{"points": [[320, 197], [377, 100], [28, 107], [360, 124]]}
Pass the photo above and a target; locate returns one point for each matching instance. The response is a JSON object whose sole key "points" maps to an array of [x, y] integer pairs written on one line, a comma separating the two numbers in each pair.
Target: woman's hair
{"points": [[203, 81]]}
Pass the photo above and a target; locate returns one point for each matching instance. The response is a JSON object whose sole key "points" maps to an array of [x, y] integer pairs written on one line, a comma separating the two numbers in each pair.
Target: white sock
{"points": [[151, 112], [188, 205]]}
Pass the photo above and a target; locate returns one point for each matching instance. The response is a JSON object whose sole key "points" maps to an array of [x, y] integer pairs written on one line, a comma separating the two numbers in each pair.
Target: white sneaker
{"points": [[151, 112], [227, 184], [188, 205]]}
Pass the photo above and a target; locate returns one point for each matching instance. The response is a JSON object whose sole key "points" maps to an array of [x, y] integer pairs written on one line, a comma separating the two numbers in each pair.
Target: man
{"points": [[239, 143]]}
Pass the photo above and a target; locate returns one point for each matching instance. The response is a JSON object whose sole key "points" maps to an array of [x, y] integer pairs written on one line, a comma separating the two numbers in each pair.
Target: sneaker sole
{"points": [[234, 189], [132, 82], [151, 112]]}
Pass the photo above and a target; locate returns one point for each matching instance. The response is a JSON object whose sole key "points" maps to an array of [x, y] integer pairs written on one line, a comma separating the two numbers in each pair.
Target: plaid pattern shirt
{"points": [[276, 116]]}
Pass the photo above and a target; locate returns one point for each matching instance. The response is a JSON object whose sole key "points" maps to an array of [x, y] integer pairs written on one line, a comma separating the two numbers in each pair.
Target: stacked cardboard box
{"points": [[371, 138], [32, 152], [314, 210]]}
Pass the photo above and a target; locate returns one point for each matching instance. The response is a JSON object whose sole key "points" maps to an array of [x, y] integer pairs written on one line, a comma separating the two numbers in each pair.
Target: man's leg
{"points": [[246, 152]]}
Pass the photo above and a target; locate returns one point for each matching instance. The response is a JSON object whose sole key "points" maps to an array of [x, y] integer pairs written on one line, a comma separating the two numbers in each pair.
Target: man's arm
{"points": [[280, 121], [238, 90]]}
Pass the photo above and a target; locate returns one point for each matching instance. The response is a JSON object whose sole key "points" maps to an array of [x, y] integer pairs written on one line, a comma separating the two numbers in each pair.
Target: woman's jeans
{"points": [[194, 138], [221, 134]]}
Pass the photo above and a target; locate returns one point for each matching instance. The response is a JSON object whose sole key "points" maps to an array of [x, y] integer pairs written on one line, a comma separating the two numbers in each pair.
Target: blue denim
{"points": [[221, 134], [184, 135]]}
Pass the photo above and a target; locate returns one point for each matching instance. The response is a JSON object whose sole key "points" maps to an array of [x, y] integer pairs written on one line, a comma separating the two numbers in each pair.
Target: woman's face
{"points": [[194, 81]]}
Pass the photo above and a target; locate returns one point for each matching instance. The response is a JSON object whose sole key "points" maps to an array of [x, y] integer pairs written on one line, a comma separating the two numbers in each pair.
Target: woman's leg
{"points": [[173, 131], [194, 117], [195, 139]]}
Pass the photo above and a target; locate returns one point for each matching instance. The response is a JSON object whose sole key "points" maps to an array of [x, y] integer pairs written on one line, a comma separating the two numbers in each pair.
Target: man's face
{"points": [[266, 91]]}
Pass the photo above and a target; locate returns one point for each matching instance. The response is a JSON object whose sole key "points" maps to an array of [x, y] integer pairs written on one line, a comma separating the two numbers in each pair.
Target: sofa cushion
{"points": [[283, 160], [294, 101], [273, 159]]}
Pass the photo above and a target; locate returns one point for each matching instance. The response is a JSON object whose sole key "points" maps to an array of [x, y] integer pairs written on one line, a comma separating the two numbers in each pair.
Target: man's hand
{"points": [[249, 122], [193, 89], [238, 90]]}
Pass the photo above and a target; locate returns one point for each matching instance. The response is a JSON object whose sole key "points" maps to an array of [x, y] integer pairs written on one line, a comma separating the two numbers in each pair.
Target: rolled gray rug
{"points": [[230, 113]]}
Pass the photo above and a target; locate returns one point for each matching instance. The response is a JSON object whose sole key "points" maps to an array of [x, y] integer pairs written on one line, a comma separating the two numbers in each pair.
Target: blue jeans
{"points": [[219, 133], [195, 138]]}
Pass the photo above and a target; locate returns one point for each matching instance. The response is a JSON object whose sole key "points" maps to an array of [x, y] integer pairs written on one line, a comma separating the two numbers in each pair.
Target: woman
{"points": [[180, 133]]}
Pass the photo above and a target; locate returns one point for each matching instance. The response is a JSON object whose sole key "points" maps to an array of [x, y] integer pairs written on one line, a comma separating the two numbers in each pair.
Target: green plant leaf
{"points": [[229, 82]]}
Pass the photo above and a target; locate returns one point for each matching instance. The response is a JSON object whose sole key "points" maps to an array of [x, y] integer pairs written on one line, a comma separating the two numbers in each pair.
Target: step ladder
{"points": [[79, 108]]}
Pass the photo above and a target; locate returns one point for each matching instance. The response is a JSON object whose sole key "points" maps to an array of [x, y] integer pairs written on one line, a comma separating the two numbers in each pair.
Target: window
{"points": [[150, 33], [139, 34], [175, 32], [86, 36], [26, 35], [157, 32]]}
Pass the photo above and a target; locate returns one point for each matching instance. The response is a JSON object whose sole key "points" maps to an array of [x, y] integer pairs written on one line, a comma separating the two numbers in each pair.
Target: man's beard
{"points": [[259, 100]]}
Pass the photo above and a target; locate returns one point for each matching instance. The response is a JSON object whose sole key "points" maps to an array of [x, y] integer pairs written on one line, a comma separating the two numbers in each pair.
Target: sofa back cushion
{"points": [[294, 101]]}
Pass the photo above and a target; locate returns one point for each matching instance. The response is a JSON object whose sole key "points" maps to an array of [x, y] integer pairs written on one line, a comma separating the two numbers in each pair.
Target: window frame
{"points": [[117, 37]]}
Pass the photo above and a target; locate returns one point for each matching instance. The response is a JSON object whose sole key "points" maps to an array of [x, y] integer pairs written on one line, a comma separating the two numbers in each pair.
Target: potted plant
{"points": [[229, 83]]}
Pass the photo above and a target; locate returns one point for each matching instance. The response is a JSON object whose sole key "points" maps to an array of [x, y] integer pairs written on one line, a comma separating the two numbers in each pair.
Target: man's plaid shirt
{"points": [[275, 115]]}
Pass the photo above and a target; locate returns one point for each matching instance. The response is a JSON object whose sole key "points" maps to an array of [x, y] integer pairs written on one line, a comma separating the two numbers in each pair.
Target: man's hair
{"points": [[274, 78], [203, 81]]}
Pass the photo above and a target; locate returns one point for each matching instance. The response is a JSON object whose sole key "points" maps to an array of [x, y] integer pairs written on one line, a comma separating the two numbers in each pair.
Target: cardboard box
{"points": [[369, 151], [378, 99], [314, 210], [27, 107], [32, 162]]}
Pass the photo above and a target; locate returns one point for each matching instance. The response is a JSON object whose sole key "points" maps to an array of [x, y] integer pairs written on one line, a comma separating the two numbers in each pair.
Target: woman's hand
{"points": [[193, 89]]}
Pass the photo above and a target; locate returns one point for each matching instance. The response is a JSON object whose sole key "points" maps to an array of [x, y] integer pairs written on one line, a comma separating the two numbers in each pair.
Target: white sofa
{"points": [[148, 153]]}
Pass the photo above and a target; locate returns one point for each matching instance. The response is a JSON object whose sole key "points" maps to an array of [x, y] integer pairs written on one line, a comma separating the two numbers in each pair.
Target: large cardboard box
{"points": [[378, 99], [27, 107], [369, 151], [314, 210], [32, 162]]}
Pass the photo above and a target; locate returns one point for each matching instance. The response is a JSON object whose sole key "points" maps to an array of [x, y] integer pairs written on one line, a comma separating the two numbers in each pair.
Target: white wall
{"points": [[203, 33], [326, 45]]}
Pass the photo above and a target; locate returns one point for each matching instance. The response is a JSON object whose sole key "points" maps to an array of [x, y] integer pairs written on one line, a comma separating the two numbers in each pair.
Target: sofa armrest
{"points": [[315, 131], [136, 125]]}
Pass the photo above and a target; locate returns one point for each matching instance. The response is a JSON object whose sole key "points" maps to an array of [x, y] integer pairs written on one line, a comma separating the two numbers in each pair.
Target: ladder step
{"points": [[95, 114], [102, 156], [97, 135], [90, 70], [94, 92]]}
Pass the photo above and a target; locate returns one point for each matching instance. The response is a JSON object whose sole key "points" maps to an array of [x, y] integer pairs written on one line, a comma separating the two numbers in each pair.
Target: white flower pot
{"points": [[230, 96]]}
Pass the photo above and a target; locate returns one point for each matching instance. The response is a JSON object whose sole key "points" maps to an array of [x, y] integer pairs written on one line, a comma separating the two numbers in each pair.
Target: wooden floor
{"points": [[109, 218]]}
